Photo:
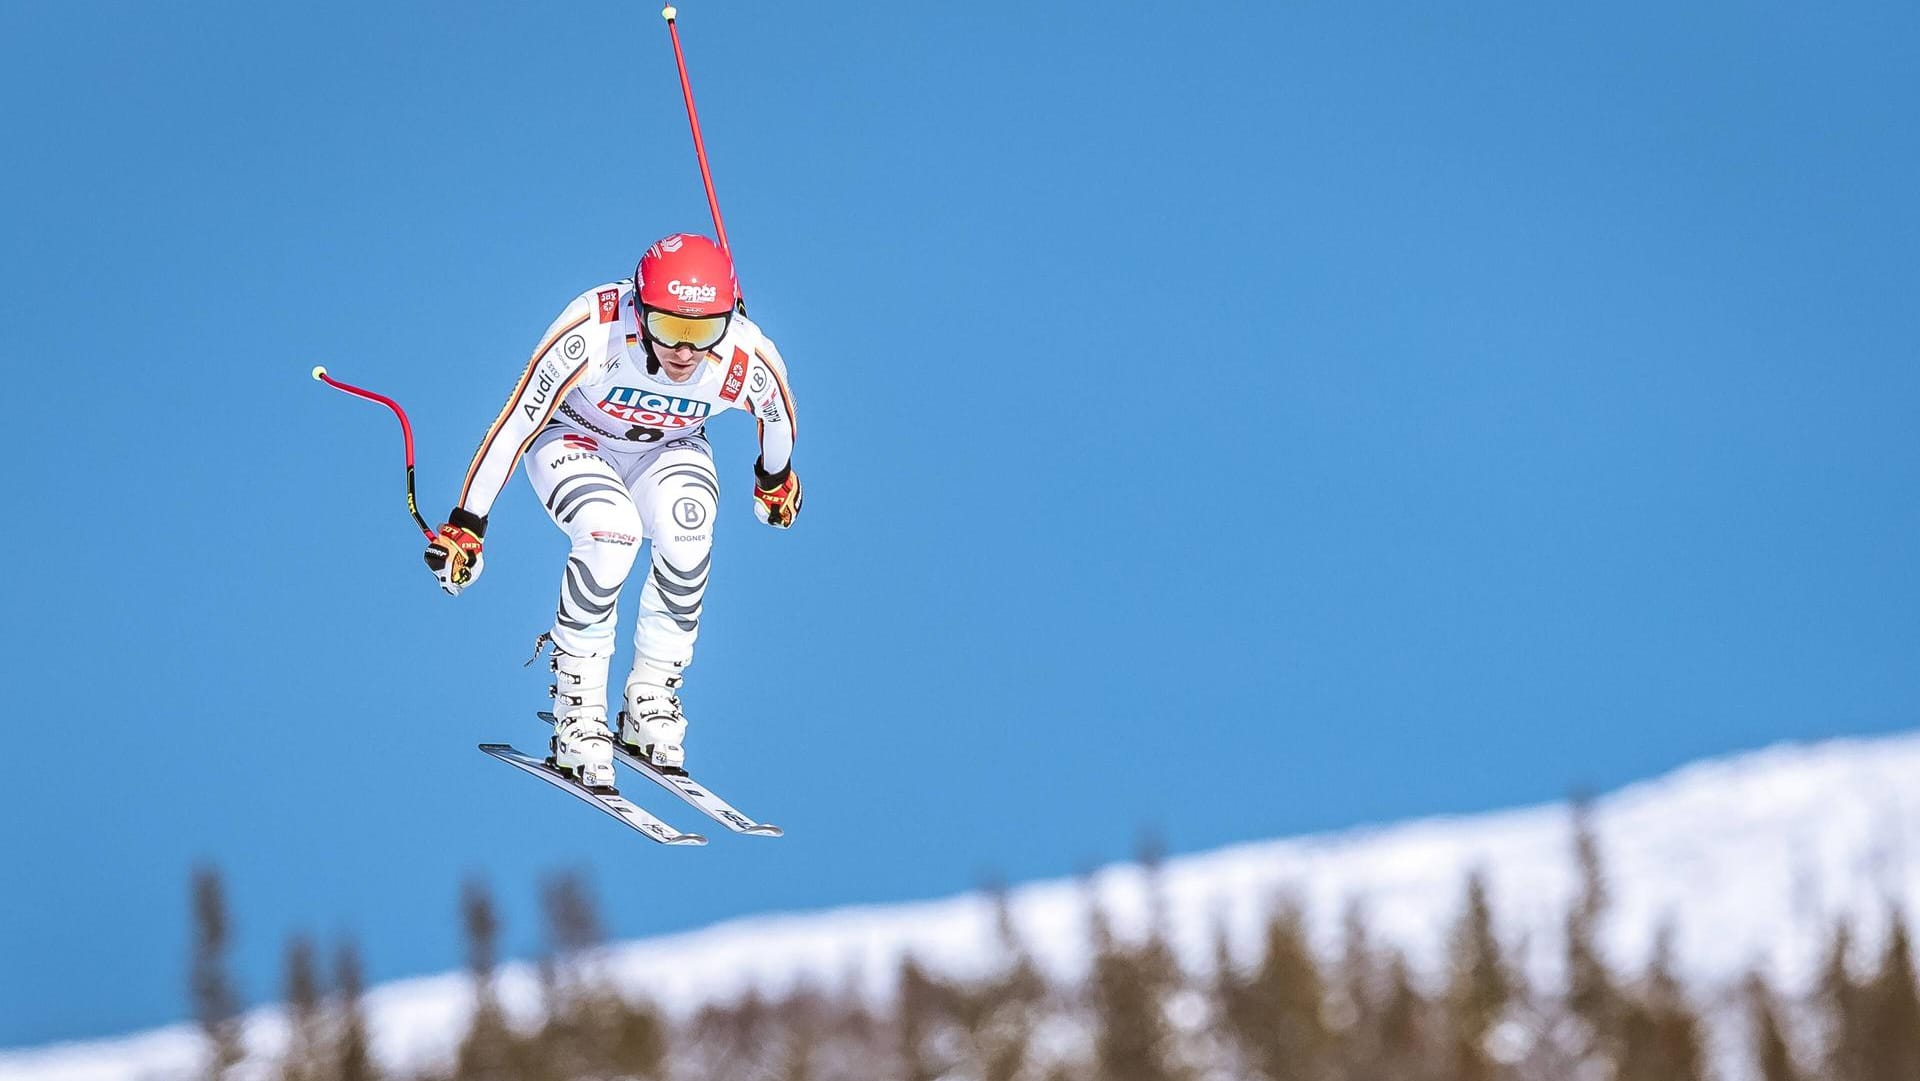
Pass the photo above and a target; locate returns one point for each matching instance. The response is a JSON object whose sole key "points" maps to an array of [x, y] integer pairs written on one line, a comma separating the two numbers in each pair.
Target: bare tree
{"points": [[1403, 1040], [1277, 1013], [306, 1025], [1479, 985], [1842, 1005], [590, 1031], [216, 1003], [489, 1049], [352, 1051], [1594, 999], [922, 1006], [1892, 1023], [1133, 1040], [1772, 1054], [1661, 1035]]}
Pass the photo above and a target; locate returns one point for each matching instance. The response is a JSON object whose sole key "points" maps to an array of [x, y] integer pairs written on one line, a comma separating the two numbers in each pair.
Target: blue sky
{"points": [[1230, 419]]}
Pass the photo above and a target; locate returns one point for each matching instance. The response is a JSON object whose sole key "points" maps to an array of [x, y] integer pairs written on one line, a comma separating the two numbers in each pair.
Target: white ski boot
{"points": [[582, 745], [652, 726]]}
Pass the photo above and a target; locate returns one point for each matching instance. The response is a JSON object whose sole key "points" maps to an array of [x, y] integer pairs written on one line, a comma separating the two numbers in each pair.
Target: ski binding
{"points": [[608, 800], [698, 795]]}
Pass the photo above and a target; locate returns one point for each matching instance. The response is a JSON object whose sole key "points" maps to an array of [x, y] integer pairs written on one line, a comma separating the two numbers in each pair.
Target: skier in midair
{"points": [[609, 417]]}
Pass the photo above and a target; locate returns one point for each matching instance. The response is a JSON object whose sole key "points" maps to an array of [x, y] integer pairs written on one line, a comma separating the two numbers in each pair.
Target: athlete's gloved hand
{"points": [[776, 496], [454, 553]]}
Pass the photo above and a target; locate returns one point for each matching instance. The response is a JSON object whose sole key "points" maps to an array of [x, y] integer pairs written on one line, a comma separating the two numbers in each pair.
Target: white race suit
{"points": [[618, 455]]}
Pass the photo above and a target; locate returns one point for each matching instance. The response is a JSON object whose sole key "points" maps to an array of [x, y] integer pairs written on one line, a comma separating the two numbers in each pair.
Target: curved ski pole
{"points": [[406, 433]]}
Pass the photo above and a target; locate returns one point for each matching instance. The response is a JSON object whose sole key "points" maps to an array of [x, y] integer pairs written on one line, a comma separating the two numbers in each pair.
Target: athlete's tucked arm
{"points": [[776, 487], [454, 555]]}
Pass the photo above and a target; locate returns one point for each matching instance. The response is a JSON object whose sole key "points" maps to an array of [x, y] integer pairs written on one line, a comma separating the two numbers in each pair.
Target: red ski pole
{"points": [[406, 432], [671, 14]]}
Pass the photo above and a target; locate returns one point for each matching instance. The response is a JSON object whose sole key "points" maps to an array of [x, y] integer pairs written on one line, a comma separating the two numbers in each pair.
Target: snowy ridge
{"points": [[1743, 856]]}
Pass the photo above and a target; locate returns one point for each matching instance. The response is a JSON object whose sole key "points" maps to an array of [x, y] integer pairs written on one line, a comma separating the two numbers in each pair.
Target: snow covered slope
{"points": [[1743, 856]]}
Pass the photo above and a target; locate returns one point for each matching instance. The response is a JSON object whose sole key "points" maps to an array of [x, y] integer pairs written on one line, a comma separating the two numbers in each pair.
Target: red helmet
{"points": [[686, 274]]}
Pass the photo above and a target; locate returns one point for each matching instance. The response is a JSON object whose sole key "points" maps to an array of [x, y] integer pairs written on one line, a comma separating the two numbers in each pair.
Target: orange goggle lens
{"points": [[701, 332]]}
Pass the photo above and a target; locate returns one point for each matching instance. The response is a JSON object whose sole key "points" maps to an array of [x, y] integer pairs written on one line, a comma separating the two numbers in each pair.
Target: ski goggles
{"points": [[698, 331]]}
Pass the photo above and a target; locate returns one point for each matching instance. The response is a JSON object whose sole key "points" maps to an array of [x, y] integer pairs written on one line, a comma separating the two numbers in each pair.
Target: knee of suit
{"points": [[682, 553], [685, 533], [606, 532]]}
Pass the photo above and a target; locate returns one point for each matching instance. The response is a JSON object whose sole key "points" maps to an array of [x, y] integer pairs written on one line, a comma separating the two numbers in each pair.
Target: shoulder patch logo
{"points": [[609, 302], [736, 376]]}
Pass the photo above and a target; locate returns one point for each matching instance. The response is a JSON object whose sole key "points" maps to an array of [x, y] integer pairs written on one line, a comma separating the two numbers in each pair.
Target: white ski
{"points": [[698, 795], [607, 800]]}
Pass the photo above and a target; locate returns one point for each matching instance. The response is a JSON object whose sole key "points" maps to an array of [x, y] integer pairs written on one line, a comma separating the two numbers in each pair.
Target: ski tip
{"points": [[764, 829]]}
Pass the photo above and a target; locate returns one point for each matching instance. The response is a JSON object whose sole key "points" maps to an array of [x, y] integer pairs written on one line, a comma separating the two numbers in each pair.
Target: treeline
{"points": [[1288, 1014]]}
